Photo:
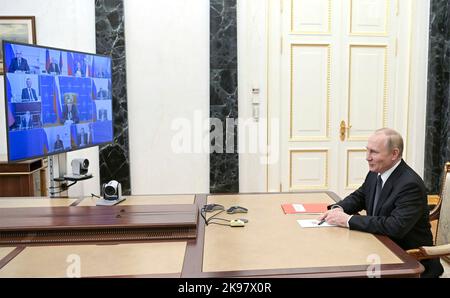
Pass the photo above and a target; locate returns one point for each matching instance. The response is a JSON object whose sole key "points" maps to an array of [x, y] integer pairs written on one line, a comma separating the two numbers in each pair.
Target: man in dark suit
{"points": [[70, 113], [82, 138], [103, 115], [28, 93], [27, 121], [394, 197], [102, 94], [18, 63], [59, 145], [53, 67]]}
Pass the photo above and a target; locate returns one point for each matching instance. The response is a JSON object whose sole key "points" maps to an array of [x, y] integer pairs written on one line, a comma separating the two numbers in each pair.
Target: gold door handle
{"points": [[342, 130]]}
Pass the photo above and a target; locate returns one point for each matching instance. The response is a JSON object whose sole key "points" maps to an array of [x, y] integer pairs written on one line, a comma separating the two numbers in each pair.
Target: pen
{"points": [[321, 222]]}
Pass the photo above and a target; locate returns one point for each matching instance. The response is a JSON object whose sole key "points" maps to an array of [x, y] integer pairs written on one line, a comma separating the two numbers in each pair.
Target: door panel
{"points": [[367, 90], [369, 17], [368, 96], [356, 168], [310, 92], [338, 75], [308, 169], [311, 16]]}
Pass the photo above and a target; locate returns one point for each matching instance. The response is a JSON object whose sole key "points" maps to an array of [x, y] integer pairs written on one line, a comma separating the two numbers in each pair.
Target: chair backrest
{"points": [[443, 230]]}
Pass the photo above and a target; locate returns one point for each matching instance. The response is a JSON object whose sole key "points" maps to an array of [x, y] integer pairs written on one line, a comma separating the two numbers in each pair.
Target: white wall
{"points": [[68, 24], [167, 46], [420, 23], [252, 70]]}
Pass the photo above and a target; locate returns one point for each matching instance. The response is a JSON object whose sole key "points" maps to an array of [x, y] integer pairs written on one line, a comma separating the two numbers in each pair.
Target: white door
{"points": [[341, 72]]}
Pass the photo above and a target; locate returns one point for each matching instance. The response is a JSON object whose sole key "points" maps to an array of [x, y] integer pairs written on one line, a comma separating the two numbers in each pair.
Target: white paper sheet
{"points": [[298, 207], [313, 223]]}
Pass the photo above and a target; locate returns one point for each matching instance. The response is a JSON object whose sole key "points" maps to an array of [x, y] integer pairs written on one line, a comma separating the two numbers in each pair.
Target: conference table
{"points": [[271, 244]]}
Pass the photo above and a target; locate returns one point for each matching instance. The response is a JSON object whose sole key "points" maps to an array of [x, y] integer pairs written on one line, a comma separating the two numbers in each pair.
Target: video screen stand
{"points": [[57, 165]]}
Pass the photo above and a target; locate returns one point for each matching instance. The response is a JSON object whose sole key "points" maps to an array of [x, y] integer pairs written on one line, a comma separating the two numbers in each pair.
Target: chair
{"points": [[428, 252], [435, 212], [441, 212]]}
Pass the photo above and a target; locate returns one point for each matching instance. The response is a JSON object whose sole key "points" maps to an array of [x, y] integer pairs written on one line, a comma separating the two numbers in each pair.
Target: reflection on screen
{"points": [[56, 100]]}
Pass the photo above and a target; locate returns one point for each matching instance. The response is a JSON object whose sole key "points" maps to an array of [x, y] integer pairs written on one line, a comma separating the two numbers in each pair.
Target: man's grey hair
{"points": [[394, 139]]}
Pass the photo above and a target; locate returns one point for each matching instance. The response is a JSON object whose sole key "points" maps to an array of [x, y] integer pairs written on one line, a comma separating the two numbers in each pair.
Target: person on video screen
{"points": [[27, 121], [18, 63], [28, 93], [70, 110], [53, 68], [59, 145], [102, 94], [80, 69], [82, 138]]}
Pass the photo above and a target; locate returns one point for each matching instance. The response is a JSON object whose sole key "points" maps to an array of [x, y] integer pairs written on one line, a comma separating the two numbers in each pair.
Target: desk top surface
{"points": [[158, 259], [129, 259], [274, 240], [20, 202], [271, 244]]}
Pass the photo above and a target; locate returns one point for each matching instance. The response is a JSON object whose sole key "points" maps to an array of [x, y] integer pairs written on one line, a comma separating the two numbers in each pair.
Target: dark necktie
{"points": [[376, 198]]}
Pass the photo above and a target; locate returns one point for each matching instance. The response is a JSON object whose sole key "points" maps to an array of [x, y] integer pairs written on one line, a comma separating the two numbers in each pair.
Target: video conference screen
{"points": [[56, 100]]}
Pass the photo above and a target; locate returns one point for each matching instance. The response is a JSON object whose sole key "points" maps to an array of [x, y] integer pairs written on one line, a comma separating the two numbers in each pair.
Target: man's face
{"points": [[29, 83], [379, 157], [19, 55]]}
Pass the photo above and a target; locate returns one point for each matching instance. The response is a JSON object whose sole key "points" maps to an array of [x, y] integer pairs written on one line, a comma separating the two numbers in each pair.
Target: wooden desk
{"points": [[150, 259], [29, 202], [271, 244]]}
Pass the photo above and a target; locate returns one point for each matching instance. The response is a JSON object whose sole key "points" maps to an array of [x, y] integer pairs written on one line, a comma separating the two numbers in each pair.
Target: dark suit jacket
{"points": [[14, 65], [85, 138], [402, 211], [102, 94], [25, 94], [27, 125], [53, 68], [75, 117], [58, 145]]}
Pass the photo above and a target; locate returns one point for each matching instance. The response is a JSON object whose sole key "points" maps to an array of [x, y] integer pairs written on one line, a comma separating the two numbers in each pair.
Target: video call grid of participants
{"points": [[38, 100]]}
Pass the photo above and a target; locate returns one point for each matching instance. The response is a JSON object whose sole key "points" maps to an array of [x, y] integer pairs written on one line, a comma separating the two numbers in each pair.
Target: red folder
{"points": [[309, 208]]}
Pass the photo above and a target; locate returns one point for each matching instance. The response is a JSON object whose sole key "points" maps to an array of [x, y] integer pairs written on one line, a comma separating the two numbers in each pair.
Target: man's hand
{"points": [[335, 216]]}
